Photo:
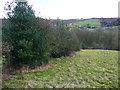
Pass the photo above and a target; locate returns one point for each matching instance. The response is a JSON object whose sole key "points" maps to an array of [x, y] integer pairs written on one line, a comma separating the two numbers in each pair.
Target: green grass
{"points": [[115, 26], [88, 69], [91, 22]]}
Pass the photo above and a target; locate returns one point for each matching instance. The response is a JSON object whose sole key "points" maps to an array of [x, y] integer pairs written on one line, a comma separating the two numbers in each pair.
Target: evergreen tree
{"points": [[26, 36]]}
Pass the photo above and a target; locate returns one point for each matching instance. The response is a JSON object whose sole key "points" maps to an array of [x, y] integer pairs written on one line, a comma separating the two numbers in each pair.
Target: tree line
{"points": [[107, 39]]}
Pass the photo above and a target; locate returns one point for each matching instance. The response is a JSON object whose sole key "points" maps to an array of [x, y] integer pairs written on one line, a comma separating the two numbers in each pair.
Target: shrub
{"points": [[63, 41]]}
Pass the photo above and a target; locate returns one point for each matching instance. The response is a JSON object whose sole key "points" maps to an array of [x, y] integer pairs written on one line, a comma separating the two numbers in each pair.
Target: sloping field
{"points": [[87, 69], [91, 22]]}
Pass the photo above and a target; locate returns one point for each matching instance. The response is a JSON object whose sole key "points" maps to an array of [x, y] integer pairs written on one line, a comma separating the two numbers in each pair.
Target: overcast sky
{"points": [[71, 9]]}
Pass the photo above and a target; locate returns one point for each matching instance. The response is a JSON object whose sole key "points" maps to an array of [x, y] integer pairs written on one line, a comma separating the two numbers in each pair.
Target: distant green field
{"points": [[91, 22], [115, 26], [88, 69]]}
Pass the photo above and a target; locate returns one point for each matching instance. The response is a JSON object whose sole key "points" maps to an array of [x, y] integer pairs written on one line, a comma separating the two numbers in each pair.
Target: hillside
{"points": [[87, 69], [92, 22]]}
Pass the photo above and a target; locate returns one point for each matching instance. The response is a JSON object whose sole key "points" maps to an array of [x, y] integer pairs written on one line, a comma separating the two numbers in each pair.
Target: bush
{"points": [[63, 41]]}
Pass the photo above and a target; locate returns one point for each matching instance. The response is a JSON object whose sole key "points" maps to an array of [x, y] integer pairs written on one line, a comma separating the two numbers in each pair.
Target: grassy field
{"points": [[91, 22], [88, 69]]}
